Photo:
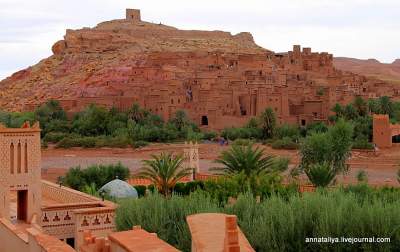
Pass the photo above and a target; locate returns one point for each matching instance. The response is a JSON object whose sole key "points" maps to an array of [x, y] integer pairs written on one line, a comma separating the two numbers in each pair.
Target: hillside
{"points": [[370, 67], [218, 78]]}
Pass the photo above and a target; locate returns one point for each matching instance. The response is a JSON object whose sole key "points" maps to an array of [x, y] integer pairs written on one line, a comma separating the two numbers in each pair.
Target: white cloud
{"points": [[353, 28]]}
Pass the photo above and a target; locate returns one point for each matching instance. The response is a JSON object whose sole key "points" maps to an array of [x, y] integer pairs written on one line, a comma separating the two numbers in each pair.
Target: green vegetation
{"points": [[278, 223], [99, 127], [164, 171], [93, 177], [362, 176], [245, 159], [324, 155]]}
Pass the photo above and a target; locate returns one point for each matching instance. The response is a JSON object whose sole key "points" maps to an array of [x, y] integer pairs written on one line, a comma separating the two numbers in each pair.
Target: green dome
{"points": [[119, 189]]}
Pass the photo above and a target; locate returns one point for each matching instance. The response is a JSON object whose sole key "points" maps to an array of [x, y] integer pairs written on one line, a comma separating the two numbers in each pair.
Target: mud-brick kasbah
{"points": [[40, 216], [218, 78]]}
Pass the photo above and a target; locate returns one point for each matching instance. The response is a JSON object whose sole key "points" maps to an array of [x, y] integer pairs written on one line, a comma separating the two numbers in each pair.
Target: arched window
{"points": [[26, 157], [12, 158], [19, 157]]}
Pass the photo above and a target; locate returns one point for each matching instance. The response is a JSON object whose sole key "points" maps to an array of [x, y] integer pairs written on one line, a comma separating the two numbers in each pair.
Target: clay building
{"points": [[40, 216], [220, 79]]}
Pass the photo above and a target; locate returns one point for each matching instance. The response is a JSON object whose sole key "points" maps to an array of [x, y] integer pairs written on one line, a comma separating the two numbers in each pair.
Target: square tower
{"points": [[20, 172], [133, 15]]}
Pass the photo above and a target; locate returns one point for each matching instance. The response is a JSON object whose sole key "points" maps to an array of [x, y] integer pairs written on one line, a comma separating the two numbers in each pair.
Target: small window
{"points": [[204, 120], [303, 122]]}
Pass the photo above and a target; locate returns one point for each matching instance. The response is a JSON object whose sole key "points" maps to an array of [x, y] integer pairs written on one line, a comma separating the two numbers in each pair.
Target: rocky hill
{"points": [[220, 79], [370, 67]]}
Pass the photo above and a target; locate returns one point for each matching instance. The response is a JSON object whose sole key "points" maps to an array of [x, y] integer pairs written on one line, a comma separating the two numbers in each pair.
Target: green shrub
{"points": [[278, 223], [362, 143], [138, 144], [189, 187], [362, 176], [209, 135], [288, 131], [54, 137], [78, 178], [141, 190], [281, 163], [113, 142], [235, 133], [85, 142], [285, 143], [241, 141]]}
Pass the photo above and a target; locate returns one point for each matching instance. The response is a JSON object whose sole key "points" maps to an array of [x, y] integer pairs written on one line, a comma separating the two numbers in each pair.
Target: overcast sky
{"points": [[353, 28]]}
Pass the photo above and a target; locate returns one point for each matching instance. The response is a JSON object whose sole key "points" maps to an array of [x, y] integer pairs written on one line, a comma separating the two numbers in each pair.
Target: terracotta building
{"points": [[40, 216], [220, 79]]}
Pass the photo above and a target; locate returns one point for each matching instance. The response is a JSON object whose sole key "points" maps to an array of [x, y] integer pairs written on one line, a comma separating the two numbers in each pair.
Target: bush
{"points": [[235, 133], [209, 135], [189, 187], [85, 142], [288, 131], [362, 143], [78, 178], [362, 176], [285, 143], [113, 142], [240, 141], [54, 137], [138, 144], [141, 190]]}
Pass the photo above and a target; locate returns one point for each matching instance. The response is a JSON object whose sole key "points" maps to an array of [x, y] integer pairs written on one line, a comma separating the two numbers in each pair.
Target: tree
{"points": [[244, 159], [361, 106], [135, 113], [338, 110], [164, 171], [180, 120], [321, 174], [268, 122], [386, 105], [91, 122], [350, 112], [340, 137], [327, 149]]}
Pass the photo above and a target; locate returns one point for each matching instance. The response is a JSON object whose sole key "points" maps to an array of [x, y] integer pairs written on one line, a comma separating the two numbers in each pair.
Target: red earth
{"points": [[381, 166]]}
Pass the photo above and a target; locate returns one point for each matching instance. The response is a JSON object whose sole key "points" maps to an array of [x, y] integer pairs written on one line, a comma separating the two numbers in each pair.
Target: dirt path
{"points": [[381, 167]]}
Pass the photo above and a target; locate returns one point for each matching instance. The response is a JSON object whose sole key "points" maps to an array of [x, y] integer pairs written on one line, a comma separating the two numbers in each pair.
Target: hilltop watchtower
{"points": [[133, 15], [20, 167]]}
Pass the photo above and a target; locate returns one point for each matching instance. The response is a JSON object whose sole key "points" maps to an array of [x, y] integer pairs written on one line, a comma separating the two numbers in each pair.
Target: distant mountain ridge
{"points": [[370, 67]]}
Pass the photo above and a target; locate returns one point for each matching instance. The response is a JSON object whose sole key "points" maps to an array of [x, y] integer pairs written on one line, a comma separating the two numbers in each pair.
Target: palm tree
{"points": [[268, 122], [244, 159], [135, 113], [164, 171], [321, 174], [361, 106]]}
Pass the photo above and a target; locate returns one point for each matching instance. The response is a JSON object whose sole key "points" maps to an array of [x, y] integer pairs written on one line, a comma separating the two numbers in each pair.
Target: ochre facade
{"points": [[220, 79], [383, 131]]}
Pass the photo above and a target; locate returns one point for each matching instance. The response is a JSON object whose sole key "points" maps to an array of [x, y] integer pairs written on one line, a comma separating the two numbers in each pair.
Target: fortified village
{"points": [[219, 79], [40, 216]]}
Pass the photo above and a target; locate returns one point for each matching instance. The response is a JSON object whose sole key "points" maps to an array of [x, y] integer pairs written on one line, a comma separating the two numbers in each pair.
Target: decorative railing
{"points": [[64, 194]]}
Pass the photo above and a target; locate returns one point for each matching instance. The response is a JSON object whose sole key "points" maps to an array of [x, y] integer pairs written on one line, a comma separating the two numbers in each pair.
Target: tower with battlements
{"points": [[133, 15], [20, 177]]}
